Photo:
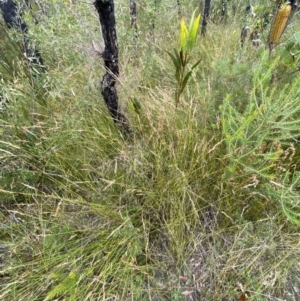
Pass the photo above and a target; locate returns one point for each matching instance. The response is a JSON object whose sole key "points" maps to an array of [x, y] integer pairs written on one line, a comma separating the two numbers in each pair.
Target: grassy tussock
{"points": [[203, 196]]}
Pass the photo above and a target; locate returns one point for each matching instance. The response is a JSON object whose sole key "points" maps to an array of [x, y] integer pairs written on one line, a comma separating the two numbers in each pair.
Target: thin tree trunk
{"points": [[179, 8], [105, 9], [294, 4], [11, 15], [13, 19], [133, 13], [224, 6], [133, 18], [245, 30], [205, 17]]}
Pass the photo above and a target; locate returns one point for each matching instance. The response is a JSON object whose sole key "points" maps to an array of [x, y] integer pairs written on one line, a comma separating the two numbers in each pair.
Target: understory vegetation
{"points": [[201, 199]]}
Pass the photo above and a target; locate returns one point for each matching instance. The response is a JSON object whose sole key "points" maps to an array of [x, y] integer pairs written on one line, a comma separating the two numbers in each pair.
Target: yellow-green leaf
{"points": [[183, 34], [193, 31]]}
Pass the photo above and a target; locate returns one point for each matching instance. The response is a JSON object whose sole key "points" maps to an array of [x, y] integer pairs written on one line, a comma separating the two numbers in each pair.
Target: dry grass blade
{"points": [[244, 293]]}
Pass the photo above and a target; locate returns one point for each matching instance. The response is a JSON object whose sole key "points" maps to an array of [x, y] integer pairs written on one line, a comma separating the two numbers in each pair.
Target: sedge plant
{"points": [[181, 57]]}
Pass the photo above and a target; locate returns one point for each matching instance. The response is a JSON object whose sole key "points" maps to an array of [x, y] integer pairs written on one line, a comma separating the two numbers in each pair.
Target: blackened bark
{"points": [[245, 29], [153, 25], [133, 17], [105, 9], [133, 13], [294, 4], [11, 16], [205, 17], [13, 19], [223, 12], [179, 8]]}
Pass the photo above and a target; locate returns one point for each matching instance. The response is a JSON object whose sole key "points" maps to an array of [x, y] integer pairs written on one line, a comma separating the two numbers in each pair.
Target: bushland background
{"points": [[201, 201]]}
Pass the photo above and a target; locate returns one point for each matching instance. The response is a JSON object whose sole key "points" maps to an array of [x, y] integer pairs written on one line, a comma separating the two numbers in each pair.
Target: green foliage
{"points": [[182, 57], [204, 195], [261, 139]]}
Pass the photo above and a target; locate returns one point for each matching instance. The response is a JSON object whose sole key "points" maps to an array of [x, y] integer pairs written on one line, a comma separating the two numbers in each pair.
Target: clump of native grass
{"points": [[202, 197]]}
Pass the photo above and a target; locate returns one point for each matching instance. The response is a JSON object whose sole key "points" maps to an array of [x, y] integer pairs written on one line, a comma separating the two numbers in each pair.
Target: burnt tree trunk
{"points": [[205, 17], [294, 4], [13, 19], [245, 30], [223, 12], [133, 18], [133, 13], [105, 9], [179, 8], [11, 15]]}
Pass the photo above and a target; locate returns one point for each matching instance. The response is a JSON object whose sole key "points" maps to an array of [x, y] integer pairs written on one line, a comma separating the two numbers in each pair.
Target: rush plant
{"points": [[181, 57]]}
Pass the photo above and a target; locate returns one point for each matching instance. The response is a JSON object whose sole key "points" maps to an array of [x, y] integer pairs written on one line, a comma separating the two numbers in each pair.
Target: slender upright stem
{"points": [[205, 17], [105, 9]]}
